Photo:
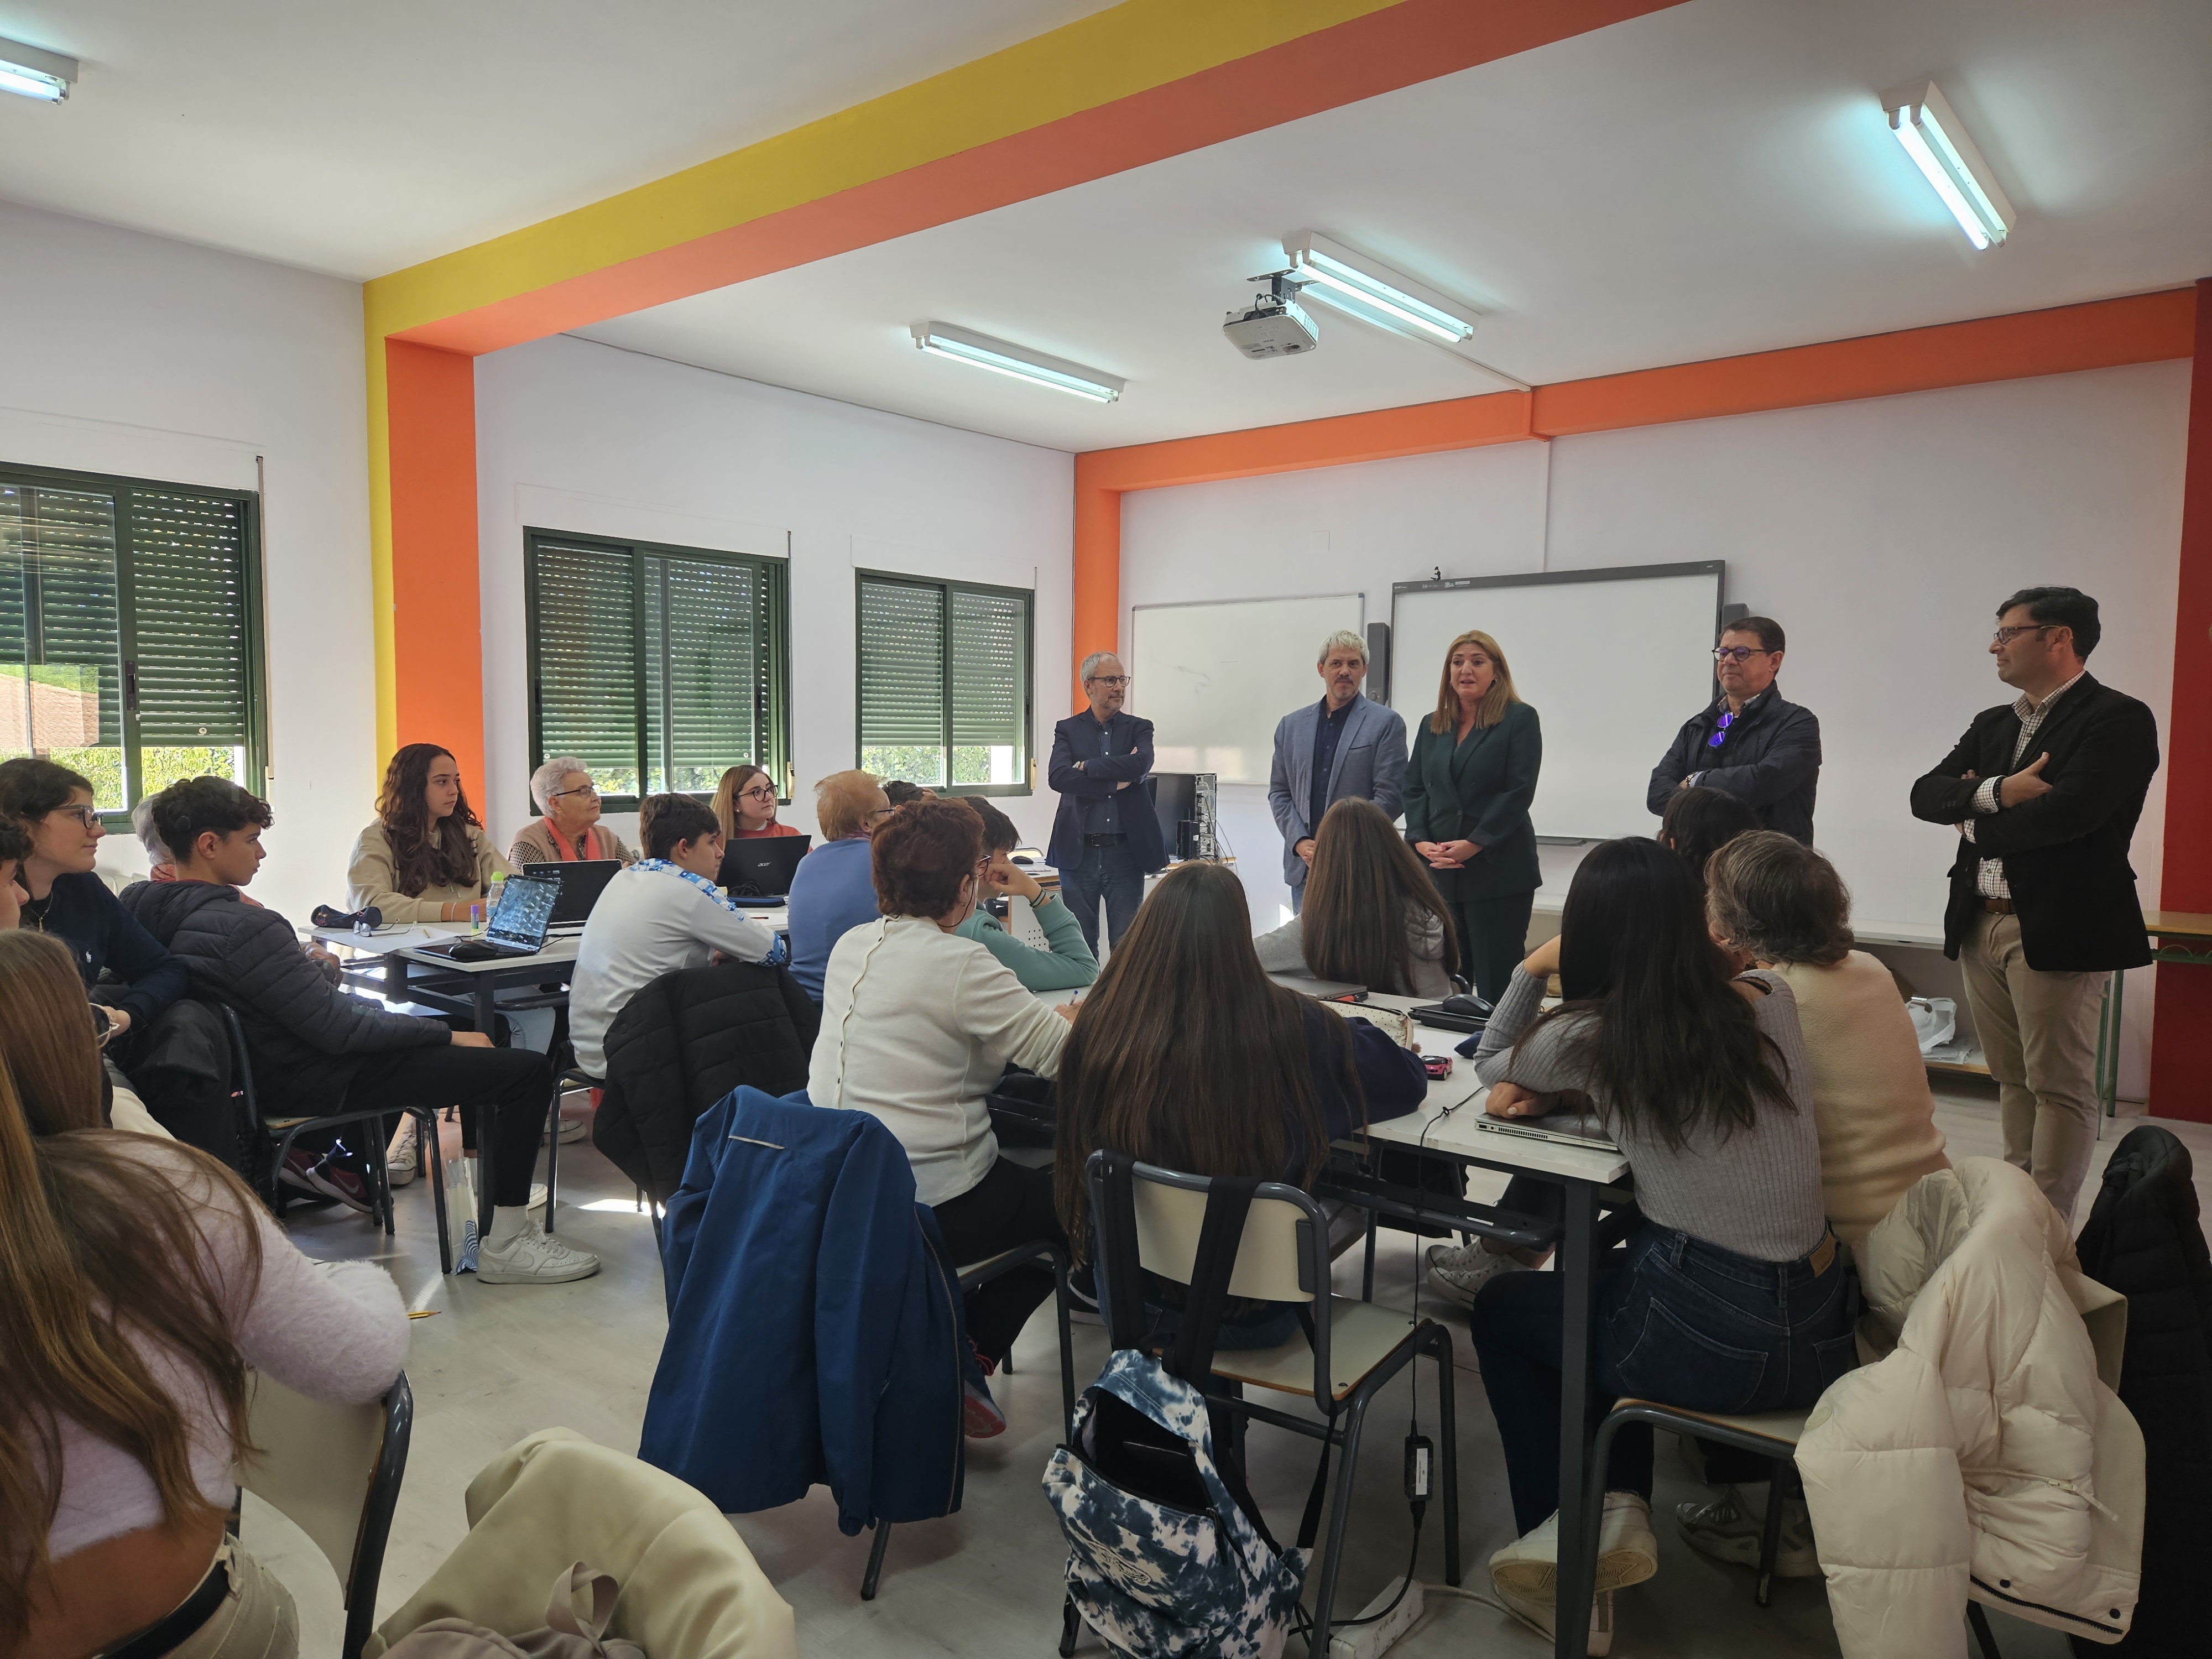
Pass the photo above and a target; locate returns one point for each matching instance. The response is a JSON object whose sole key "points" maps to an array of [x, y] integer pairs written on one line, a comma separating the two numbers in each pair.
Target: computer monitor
{"points": [[1175, 798], [762, 865], [582, 881]]}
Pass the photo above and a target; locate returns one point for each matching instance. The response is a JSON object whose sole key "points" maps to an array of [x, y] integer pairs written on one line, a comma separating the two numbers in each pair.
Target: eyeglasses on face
{"points": [[87, 816], [1111, 682], [881, 813], [581, 789], [1737, 653], [758, 792], [2005, 636]]}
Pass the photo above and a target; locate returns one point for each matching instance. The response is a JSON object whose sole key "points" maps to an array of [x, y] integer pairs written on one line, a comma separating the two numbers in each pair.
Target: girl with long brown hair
{"points": [[139, 1280], [744, 804], [427, 857], [1469, 784], [1372, 916], [1187, 1055]]}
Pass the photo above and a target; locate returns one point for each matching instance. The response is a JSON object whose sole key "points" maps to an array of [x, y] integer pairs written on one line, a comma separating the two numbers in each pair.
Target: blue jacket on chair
{"points": [[814, 1323]]}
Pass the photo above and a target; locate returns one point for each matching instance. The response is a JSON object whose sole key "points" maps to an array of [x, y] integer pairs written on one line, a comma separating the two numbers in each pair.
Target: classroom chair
{"points": [[334, 1471], [1355, 1346], [983, 1273]]}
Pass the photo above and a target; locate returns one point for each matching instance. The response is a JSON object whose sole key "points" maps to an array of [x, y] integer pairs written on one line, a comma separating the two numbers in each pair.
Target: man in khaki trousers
{"points": [[2044, 792]]}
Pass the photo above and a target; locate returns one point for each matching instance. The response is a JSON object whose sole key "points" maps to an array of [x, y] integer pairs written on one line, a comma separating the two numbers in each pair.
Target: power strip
{"points": [[1365, 1641]]}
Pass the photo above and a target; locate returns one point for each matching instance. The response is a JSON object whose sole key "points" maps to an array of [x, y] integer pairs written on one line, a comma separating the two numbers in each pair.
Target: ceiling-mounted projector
{"points": [[1274, 325]]}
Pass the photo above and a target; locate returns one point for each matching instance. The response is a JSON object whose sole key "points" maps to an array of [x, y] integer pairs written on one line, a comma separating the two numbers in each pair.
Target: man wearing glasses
{"points": [[1106, 838], [1752, 744], [2044, 792]]}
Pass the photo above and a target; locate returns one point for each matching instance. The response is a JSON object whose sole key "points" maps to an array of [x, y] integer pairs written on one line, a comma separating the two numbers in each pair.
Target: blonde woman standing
{"points": [[1467, 789]]}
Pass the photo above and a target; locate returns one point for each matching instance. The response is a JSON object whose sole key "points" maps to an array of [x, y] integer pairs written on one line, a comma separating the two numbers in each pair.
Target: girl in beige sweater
{"points": [[425, 858]]}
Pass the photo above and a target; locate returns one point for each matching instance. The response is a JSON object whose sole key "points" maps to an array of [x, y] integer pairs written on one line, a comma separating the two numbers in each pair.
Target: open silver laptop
{"points": [[1307, 986], [1582, 1129]]}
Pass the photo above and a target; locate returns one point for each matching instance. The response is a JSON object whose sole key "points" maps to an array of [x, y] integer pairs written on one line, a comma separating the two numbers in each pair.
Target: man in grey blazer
{"points": [[1340, 747]]}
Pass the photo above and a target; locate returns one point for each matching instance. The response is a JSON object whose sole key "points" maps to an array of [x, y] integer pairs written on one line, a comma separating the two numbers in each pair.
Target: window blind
{"points": [[945, 683], [73, 629], [188, 586], [586, 651], [990, 678], [711, 664], [902, 666]]}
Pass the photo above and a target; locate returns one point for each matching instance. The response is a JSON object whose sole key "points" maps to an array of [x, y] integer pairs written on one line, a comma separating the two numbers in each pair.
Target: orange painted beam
{"points": [[437, 638]]}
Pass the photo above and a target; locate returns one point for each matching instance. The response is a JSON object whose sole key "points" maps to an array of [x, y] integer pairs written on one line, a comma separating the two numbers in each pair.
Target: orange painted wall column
{"points": [[436, 621], [2181, 1034]]}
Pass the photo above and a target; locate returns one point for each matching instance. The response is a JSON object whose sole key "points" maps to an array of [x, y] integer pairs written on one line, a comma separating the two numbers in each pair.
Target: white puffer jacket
{"points": [[1983, 1453]]}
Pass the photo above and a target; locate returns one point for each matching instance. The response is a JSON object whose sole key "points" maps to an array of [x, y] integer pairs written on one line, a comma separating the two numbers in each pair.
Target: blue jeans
{"points": [[1678, 1320], [1109, 873]]}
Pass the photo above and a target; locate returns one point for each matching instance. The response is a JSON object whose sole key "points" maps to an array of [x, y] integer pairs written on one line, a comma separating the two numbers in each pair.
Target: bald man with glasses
{"points": [[1751, 743]]}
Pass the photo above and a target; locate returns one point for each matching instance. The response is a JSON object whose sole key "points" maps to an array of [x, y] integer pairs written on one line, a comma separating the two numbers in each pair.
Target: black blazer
{"points": [[1479, 791], [2065, 852], [1080, 738], [1771, 759]]}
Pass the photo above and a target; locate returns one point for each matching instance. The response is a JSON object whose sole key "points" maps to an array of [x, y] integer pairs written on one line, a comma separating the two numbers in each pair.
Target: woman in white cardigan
{"points": [[917, 1026]]}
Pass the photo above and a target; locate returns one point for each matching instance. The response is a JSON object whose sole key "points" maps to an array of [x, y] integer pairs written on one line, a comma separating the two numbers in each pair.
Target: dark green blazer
{"points": [[1479, 791]]}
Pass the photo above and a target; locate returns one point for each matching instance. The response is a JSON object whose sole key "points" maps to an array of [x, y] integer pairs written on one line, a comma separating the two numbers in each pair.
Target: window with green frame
{"points": [[945, 689], [658, 668], [131, 647]]}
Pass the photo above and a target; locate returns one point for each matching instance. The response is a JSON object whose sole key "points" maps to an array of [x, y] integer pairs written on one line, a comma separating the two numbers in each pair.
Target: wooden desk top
{"points": [[2178, 924]]}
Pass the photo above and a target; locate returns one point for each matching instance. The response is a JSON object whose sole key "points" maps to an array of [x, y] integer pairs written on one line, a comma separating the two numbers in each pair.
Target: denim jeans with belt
{"points": [[1108, 872], [1680, 1322]]}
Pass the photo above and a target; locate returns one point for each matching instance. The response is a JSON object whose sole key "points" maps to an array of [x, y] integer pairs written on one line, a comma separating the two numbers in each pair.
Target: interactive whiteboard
{"points": [[1613, 661], [1215, 678]]}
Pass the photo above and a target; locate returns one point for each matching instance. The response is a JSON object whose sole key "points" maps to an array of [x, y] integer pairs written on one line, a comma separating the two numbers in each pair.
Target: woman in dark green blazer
{"points": [[1467, 789]]}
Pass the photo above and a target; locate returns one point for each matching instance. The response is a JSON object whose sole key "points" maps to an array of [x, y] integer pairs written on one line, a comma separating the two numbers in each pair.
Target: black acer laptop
{"points": [[517, 927], [582, 881], [761, 866]]}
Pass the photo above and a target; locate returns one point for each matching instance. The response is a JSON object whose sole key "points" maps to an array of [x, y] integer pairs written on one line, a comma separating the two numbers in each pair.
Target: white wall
{"points": [[576, 436], [1881, 535], [133, 354]]}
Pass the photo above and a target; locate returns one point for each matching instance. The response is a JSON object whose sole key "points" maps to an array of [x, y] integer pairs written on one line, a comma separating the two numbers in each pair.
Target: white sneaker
{"points": [[1628, 1553], [1542, 1618], [1459, 1270], [537, 1195], [404, 1156], [573, 1129], [1726, 1529], [532, 1256]]}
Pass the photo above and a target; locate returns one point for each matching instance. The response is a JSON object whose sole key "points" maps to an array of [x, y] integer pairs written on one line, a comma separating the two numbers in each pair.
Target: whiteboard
{"points": [[1613, 661], [1216, 679]]}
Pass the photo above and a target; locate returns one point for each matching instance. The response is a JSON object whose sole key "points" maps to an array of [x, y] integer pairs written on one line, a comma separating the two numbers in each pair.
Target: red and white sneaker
{"points": [[349, 1187], [981, 1418]]}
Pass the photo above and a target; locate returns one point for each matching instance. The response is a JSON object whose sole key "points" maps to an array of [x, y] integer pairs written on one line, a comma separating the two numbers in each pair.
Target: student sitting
{"points": [[654, 918], [832, 891], [570, 829], [315, 1048], [1698, 822], [140, 1280], [1188, 1056], [917, 1025], [1364, 880], [744, 804], [1730, 1297], [1066, 962], [427, 857], [64, 898]]}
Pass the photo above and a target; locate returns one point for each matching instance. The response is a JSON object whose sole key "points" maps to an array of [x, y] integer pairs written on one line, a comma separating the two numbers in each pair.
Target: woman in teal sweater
{"points": [[1467, 789], [1066, 962]]}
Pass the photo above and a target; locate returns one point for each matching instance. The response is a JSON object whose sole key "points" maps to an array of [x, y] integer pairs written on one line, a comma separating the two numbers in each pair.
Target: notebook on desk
{"points": [[1581, 1129]]}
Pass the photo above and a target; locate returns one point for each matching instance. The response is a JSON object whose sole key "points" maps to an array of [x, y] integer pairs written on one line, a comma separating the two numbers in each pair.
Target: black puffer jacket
{"points": [[306, 1035], [681, 1044], [2144, 1240]]}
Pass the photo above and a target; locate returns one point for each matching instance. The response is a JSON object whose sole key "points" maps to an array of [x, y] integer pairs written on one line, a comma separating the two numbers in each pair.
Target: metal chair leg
{"points": [[1978, 1622], [1066, 1358], [1770, 1537], [431, 1157], [553, 1156], [876, 1560], [1339, 1518], [1448, 1447], [1070, 1624], [1367, 1270]]}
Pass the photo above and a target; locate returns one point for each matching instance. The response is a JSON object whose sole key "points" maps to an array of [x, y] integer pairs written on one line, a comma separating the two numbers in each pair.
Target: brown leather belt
{"points": [[1997, 907]]}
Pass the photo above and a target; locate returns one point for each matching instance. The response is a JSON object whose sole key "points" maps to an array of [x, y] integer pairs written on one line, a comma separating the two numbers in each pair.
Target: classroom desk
{"points": [[1592, 1183], [467, 988]]}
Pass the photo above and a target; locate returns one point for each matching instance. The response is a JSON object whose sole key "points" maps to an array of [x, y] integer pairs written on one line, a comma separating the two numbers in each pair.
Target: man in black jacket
{"points": [[314, 1046], [2045, 791], [1750, 744], [1106, 836]]}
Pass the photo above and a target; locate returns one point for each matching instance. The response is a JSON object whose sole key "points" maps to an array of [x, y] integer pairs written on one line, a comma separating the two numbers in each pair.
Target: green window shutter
{"points": [[990, 672], [188, 589], [587, 653], [711, 663], [75, 632], [15, 678], [903, 678]]}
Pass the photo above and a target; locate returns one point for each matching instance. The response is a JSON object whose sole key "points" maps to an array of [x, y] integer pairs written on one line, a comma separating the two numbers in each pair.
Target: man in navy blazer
{"points": [[1106, 838], [1342, 747]]}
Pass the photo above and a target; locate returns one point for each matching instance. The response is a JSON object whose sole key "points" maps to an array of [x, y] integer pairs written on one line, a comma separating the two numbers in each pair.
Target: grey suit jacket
{"points": [[1370, 763]]}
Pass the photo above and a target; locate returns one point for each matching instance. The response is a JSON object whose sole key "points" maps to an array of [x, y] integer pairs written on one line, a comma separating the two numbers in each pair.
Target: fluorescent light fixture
{"points": [[1936, 139], [1004, 357], [32, 73], [1370, 290]]}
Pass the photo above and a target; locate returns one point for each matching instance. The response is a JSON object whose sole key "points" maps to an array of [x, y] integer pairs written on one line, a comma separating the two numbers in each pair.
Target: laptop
{"points": [[517, 927], [1582, 1129], [582, 881], [1325, 990], [761, 866]]}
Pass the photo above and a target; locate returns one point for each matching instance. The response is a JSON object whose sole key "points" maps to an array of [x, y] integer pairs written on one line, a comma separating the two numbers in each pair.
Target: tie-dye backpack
{"points": [[1168, 1555]]}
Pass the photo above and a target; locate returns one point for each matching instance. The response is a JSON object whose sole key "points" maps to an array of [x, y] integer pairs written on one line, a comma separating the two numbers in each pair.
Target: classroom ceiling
{"points": [[361, 138], [1711, 180]]}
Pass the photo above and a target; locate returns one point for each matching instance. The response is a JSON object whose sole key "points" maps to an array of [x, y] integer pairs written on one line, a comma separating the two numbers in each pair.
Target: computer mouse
{"points": [[1471, 1007], [1018, 858]]}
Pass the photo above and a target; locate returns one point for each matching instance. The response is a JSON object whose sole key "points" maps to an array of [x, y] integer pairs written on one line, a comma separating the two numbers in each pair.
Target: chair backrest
{"points": [[334, 1471]]}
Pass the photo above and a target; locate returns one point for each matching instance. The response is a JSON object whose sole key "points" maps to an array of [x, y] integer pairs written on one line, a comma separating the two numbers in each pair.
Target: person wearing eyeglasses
{"points": [[833, 890], [2044, 792], [1106, 838], [1341, 748], [744, 804], [570, 829], [1752, 743]]}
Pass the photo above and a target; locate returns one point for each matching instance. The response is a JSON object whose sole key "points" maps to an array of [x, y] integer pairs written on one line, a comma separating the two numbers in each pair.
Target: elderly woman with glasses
{"points": [[744, 804], [570, 828]]}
